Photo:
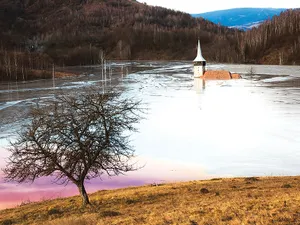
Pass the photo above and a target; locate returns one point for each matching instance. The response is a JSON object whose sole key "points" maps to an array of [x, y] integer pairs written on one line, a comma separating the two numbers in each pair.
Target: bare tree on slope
{"points": [[76, 138]]}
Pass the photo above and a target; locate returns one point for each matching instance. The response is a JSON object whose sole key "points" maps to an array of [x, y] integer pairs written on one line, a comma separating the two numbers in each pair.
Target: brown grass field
{"points": [[265, 200]]}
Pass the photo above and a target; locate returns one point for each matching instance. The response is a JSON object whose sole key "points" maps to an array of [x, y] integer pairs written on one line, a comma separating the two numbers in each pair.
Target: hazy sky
{"points": [[199, 6]]}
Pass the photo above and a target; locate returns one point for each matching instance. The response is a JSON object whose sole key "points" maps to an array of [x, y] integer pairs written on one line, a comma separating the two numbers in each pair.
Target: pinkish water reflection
{"points": [[154, 171]]}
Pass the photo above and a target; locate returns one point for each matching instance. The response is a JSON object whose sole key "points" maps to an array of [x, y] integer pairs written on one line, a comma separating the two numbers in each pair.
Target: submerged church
{"points": [[201, 72], [199, 63]]}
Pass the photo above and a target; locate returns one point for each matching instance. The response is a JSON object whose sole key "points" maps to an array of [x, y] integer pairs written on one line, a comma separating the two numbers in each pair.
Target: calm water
{"points": [[193, 130]]}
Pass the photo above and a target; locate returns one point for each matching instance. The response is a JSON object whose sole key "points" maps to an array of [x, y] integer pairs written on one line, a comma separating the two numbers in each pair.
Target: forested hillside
{"points": [[276, 41], [73, 32], [124, 29], [35, 34]]}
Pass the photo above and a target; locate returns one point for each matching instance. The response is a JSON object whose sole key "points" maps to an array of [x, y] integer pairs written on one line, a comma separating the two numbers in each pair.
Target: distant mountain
{"points": [[241, 18]]}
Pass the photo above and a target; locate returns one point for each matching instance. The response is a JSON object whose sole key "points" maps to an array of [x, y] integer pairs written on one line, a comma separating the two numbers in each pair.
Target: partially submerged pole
{"points": [[53, 75]]}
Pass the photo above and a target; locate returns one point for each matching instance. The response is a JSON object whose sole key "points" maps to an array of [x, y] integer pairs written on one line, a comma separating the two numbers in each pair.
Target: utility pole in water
{"points": [[53, 75]]}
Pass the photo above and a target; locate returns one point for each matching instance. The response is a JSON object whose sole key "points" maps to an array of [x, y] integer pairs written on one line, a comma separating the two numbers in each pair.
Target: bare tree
{"points": [[76, 138]]}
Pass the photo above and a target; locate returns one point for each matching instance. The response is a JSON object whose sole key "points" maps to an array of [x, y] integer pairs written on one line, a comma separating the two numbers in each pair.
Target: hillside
{"points": [[276, 41], [74, 32], [241, 18], [37, 34], [269, 200]]}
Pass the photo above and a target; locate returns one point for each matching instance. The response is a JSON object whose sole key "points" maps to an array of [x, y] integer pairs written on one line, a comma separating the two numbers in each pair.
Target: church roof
{"points": [[199, 57]]}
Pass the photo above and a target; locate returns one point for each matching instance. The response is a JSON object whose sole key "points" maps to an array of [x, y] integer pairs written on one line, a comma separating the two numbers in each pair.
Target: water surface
{"points": [[193, 130]]}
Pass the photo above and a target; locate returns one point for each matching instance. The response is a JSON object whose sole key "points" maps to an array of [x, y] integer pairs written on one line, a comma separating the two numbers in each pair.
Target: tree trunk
{"points": [[84, 195]]}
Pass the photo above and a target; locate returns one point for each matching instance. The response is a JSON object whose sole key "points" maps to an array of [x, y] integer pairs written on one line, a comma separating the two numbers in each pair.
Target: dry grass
{"points": [[266, 200]]}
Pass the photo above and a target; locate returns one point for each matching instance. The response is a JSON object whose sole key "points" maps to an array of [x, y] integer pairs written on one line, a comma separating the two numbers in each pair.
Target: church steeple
{"points": [[199, 63], [199, 57]]}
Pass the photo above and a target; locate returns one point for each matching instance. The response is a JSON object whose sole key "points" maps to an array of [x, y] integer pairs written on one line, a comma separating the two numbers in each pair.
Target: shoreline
{"points": [[216, 201], [68, 71]]}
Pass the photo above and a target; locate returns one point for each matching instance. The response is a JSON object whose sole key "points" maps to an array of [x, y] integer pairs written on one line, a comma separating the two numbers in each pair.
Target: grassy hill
{"points": [[266, 200]]}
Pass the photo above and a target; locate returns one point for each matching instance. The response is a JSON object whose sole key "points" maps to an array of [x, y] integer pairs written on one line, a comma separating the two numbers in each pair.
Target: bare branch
{"points": [[75, 138]]}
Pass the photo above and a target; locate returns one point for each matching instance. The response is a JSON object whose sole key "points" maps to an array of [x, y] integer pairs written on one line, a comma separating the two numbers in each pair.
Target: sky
{"points": [[198, 6]]}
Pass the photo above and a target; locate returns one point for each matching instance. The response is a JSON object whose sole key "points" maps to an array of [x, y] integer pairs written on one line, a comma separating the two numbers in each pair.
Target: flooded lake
{"points": [[193, 130]]}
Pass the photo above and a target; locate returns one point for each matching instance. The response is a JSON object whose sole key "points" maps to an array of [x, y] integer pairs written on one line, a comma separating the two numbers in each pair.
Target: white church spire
{"points": [[199, 57], [199, 63]]}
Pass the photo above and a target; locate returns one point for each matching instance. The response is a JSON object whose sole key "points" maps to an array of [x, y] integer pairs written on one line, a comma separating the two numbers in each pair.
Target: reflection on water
{"points": [[193, 130], [199, 85]]}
